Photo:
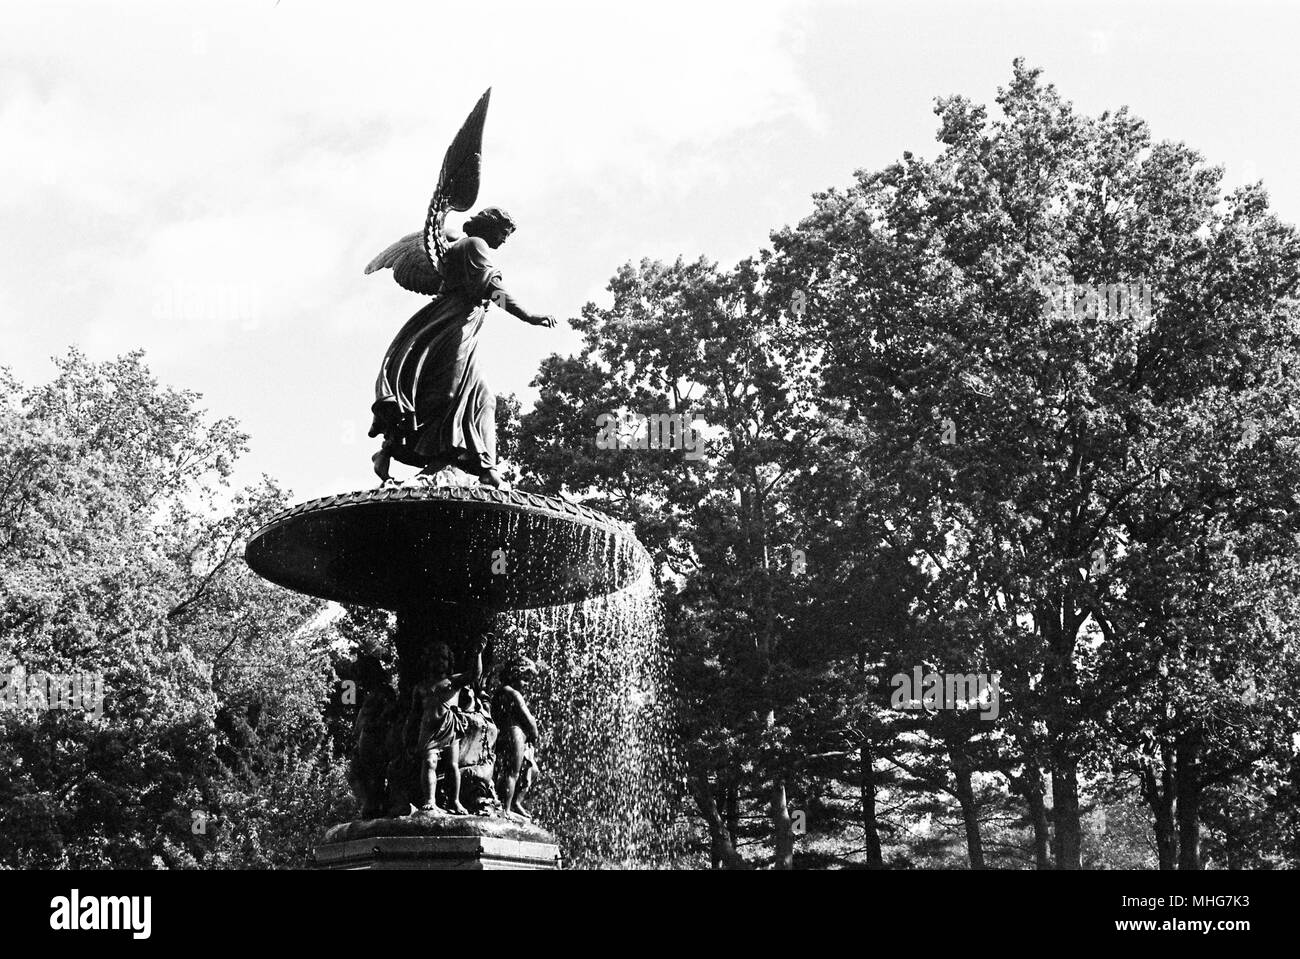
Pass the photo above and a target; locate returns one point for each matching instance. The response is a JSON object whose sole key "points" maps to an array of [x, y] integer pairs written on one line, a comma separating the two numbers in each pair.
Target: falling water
{"points": [[608, 785], [583, 607]]}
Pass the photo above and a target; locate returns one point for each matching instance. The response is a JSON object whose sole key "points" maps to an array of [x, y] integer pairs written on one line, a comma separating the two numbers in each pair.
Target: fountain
{"points": [[540, 579], [507, 602]]}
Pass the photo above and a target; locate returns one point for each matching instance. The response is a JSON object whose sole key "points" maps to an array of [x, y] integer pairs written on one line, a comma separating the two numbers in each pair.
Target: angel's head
{"points": [[492, 224]]}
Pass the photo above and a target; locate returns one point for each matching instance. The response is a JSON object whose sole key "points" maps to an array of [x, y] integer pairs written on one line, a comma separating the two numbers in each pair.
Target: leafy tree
{"points": [[691, 340], [121, 558], [1066, 475]]}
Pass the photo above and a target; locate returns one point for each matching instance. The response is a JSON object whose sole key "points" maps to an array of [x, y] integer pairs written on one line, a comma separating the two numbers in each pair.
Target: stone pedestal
{"points": [[428, 842]]}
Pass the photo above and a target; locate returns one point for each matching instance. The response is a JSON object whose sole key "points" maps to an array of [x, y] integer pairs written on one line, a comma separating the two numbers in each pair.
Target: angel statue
{"points": [[432, 405]]}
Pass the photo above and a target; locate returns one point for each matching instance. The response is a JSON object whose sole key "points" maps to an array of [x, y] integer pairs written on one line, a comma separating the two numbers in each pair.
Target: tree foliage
{"points": [[121, 557]]}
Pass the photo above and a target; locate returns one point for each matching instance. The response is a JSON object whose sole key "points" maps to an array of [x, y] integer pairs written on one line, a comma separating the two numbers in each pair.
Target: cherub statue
{"points": [[432, 404], [518, 738], [435, 703]]}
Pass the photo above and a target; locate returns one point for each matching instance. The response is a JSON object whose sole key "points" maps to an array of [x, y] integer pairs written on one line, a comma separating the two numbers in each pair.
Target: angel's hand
{"points": [[546, 321]]}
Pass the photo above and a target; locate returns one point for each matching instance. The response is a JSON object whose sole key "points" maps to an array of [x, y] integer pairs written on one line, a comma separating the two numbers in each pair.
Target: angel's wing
{"points": [[458, 180], [414, 259], [410, 265]]}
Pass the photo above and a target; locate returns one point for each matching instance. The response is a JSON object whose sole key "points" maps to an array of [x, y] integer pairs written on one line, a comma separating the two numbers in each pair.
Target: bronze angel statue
{"points": [[432, 405]]}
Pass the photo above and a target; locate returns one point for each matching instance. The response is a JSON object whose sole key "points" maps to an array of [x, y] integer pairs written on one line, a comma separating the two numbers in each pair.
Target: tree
{"points": [[1058, 463], [688, 340], [121, 560]]}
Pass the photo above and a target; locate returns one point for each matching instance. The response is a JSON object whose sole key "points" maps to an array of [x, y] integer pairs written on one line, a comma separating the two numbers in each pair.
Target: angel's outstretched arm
{"points": [[502, 298]]}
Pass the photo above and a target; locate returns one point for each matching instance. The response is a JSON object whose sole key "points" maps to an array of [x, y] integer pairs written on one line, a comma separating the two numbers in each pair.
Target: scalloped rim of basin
{"points": [[395, 547]]}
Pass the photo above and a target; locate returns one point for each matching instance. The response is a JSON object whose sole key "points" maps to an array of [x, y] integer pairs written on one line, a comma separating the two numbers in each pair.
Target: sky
{"points": [[207, 181]]}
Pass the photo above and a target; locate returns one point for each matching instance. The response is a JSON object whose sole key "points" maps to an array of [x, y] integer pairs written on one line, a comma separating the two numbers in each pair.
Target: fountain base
{"points": [[421, 841]]}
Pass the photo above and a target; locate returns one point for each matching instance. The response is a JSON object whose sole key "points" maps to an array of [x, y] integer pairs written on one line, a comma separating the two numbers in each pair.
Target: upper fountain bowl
{"points": [[396, 547]]}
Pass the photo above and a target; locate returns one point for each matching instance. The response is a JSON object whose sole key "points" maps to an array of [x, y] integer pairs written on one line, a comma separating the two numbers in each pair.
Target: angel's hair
{"points": [[487, 217]]}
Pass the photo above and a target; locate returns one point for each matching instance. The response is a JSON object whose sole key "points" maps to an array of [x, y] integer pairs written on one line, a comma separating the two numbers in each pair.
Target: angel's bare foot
{"points": [[518, 807], [458, 810], [382, 460], [512, 816], [432, 809]]}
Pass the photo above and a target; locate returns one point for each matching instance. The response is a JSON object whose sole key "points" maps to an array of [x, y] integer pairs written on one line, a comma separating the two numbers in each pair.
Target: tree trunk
{"points": [[867, 789], [1159, 795], [1236, 834], [1068, 840], [721, 849], [965, 793], [733, 813], [1034, 792], [1060, 624], [715, 846], [782, 833], [753, 509], [1188, 812]]}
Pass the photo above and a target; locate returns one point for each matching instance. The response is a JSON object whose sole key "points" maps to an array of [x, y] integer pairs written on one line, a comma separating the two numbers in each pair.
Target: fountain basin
{"points": [[398, 546]]}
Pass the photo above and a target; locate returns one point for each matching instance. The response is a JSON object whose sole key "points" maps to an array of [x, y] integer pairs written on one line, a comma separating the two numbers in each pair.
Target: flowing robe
{"points": [[431, 401]]}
